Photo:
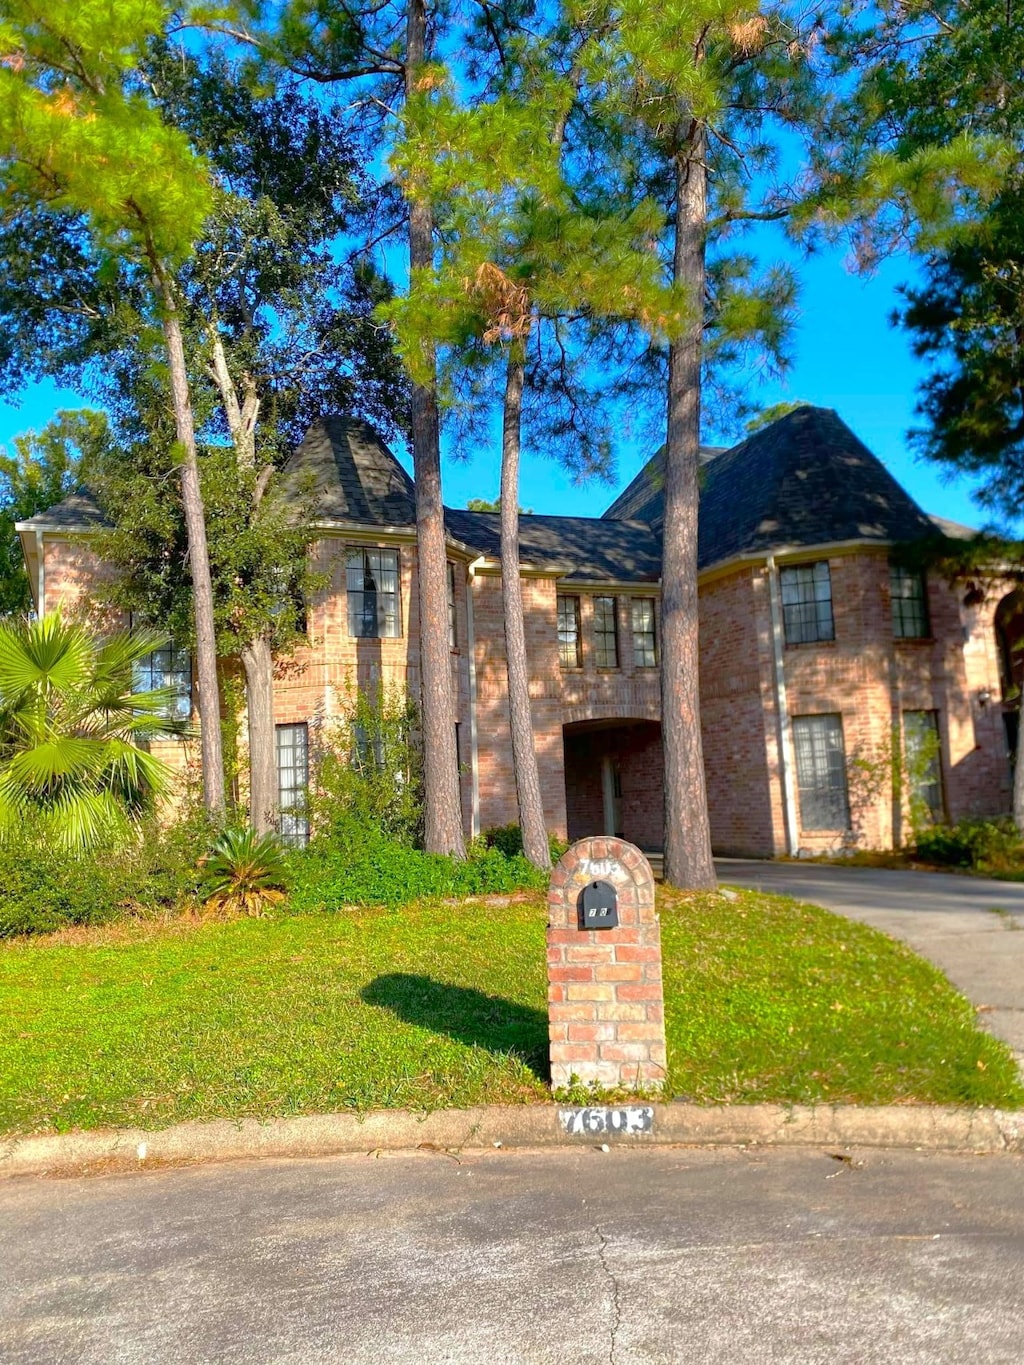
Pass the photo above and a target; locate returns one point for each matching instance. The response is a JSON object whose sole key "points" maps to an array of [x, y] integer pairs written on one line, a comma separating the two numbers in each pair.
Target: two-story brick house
{"points": [[816, 646]]}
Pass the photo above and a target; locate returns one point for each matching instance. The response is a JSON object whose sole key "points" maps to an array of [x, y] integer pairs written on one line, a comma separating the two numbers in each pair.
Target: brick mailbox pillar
{"points": [[606, 1010]]}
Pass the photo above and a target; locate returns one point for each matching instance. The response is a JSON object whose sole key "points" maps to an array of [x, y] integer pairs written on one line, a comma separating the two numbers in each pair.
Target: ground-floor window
{"points": [[821, 772], [293, 783], [922, 753]]}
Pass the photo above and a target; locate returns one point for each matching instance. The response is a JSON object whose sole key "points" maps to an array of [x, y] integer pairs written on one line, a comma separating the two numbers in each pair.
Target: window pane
{"points": [[167, 667], [807, 603], [645, 653], [606, 639], [569, 632], [921, 750], [909, 603], [452, 633], [821, 772], [292, 783], [372, 582]]}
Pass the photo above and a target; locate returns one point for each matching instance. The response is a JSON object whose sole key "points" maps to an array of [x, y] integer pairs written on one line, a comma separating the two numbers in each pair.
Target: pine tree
{"points": [[277, 329], [943, 89], [523, 251], [76, 136], [332, 44]]}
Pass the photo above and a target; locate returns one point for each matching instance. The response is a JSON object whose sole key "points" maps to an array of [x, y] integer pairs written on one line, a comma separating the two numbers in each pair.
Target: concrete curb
{"points": [[454, 1130]]}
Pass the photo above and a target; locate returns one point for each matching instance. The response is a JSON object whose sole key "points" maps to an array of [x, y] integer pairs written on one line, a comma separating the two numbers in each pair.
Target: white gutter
{"points": [[474, 756], [785, 735]]}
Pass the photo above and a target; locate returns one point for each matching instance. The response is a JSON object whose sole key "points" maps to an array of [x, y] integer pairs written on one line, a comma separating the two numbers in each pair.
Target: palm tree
{"points": [[74, 764]]}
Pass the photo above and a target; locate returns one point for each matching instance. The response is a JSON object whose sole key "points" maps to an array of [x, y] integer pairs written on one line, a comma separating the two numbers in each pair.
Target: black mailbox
{"points": [[599, 906]]}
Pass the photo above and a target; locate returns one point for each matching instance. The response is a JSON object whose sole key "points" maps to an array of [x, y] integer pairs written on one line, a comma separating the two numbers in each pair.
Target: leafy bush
{"points": [[508, 839], [331, 874], [246, 872], [367, 770], [994, 845], [44, 889]]}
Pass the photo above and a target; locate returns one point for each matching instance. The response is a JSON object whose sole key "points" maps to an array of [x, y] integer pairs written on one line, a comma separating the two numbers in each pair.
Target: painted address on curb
{"points": [[594, 1120]]}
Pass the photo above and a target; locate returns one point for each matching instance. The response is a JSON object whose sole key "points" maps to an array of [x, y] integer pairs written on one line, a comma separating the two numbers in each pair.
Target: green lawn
{"points": [[444, 1005]]}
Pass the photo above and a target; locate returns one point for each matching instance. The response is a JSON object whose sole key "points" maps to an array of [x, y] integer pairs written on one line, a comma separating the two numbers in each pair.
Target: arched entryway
{"points": [[613, 780], [1009, 624]]}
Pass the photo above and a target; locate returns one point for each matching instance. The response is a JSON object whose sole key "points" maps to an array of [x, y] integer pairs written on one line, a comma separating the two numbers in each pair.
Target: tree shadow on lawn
{"points": [[466, 1014]]}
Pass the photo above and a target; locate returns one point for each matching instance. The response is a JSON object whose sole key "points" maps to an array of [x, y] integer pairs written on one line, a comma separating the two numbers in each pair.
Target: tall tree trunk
{"points": [[524, 754], [1018, 773], [257, 654], [688, 861], [258, 663], [442, 806], [198, 554]]}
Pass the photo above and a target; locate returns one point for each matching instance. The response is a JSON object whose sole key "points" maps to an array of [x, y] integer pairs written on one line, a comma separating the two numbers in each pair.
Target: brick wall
{"points": [[496, 776], [864, 675], [634, 748], [871, 680], [737, 715]]}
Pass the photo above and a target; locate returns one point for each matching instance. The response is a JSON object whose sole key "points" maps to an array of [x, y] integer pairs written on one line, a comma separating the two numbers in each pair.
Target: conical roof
{"points": [[804, 480], [351, 475]]}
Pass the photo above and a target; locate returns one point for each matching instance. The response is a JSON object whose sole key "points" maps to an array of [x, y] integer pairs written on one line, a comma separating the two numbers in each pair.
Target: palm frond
{"points": [[73, 732]]}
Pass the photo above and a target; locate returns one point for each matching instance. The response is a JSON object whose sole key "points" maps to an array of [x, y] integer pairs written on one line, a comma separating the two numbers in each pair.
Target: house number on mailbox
{"points": [[599, 906]]}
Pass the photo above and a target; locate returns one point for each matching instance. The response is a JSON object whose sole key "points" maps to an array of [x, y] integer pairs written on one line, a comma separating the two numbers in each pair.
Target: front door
{"points": [[611, 792]]}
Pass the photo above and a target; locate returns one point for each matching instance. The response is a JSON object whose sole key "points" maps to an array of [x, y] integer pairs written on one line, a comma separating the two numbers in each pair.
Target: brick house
{"points": [[816, 646]]}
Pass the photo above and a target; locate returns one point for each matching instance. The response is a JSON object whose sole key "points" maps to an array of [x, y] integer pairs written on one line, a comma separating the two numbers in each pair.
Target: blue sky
{"points": [[847, 356]]}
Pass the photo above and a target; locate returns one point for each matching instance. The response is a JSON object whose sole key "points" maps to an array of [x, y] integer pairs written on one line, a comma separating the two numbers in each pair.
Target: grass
{"points": [[437, 1005]]}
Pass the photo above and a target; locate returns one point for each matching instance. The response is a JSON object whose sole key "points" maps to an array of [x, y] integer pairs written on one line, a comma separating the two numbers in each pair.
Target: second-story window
{"points": [[569, 632], [371, 577], [171, 668], [606, 633], [453, 637], [645, 649], [807, 603], [909, 603]]}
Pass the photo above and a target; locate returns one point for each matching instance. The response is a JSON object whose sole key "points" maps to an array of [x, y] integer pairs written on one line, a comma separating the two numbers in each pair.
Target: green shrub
{"points": [[375, 871], [508, 839], [945, 846], [44, 889], [994, 845], [367, 771]]}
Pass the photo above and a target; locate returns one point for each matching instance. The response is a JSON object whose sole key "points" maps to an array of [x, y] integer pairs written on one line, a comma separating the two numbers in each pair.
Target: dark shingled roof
{"points": [[634, 499], [77, 512], [352, 474], [804, 480], [572, 547], [953, 530]]}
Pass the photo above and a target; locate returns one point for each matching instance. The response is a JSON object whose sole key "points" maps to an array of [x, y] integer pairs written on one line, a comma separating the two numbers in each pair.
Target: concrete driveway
{"points": [[972, 928]]}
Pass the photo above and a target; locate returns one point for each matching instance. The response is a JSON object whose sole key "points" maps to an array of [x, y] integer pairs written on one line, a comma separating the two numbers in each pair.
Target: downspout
{"points": [[785, 740], [474, 757]]}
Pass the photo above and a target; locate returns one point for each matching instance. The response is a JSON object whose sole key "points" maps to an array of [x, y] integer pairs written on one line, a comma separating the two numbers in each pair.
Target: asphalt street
{"points": [[627, 1257], [971, 927]]}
